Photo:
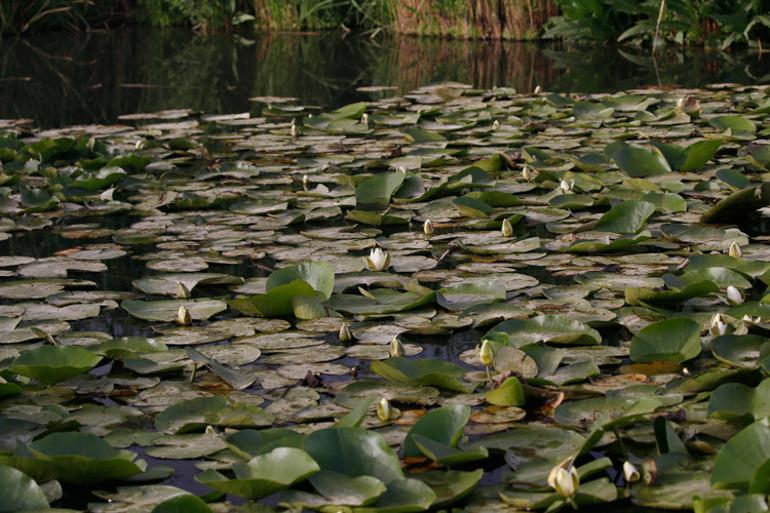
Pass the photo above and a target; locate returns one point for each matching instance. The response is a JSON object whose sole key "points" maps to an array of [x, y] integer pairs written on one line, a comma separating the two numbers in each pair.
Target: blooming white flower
{"points": [[486, 355], [427, 227], [735, 250], [506, 229], [718, 326], [384, 411], [630, 472], [734, 296], [183, 316], [378, 260], [566, 186], [565, 481], [396, 348]]}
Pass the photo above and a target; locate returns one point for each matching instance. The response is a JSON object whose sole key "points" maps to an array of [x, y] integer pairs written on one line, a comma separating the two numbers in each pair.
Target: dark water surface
{"points": [[64, 79]]}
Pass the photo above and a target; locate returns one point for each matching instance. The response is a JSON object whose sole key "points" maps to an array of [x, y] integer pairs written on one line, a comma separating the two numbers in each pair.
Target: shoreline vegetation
{"points": [[710, 23]]}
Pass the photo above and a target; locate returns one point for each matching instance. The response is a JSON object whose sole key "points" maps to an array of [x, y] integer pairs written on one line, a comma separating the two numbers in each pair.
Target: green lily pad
{"points": [[264, 474], [671, 340], [51, 364], [423, 371]]}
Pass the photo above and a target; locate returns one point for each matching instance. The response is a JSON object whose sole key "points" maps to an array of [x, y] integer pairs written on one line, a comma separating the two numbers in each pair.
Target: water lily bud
{"points": [[401, 169], [427, 227], [293, 130], [183, 316], [506, 229], [345, 334], [735, 250], [495, 125], [396, 349], [538, 89], [486, 355], [630, 472], [91, 143], [526, 173], [384, 411], [305, 181], [564, 482], [566, 186], [182, 292], [107, 195], [139, 144], [365, 119], [734, 296], [378, 260]]}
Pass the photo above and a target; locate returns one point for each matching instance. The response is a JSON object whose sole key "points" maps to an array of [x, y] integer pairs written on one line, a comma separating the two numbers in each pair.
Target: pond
{"points": [[303, 272], [64, 79]]}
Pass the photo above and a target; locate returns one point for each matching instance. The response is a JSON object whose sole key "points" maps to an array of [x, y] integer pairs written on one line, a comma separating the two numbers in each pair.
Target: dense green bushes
{"points": [[710, 22]]}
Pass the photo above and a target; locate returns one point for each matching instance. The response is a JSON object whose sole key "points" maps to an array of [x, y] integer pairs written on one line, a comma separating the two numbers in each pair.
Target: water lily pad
{"points": [[51, 364], [674, 340], [167, 310], [264, 474], [424, 372]]}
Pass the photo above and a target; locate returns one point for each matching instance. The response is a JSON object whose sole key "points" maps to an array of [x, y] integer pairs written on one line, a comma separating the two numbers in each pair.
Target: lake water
{"points": [[65, 79]]}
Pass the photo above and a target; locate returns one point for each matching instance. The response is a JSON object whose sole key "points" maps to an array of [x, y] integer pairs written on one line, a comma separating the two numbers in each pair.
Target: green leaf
{"points": [[673, 340], [51, 364], [319, 275], [183, 504], [742, 456], [375, 192], [443, 425], [264, 474], [552, 329], [467, 295], [639, 162], [423, 371], [627, 217], [354, 452], [509, 393], [167, 310], [740, 127], [18, 492]]}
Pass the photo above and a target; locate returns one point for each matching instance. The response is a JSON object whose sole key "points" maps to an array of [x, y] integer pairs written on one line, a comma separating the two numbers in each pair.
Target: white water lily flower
{"points": [[506, 229], [566, 186], [384, 411], [427, 227], [747, 319], [526, 173], [718, 326], [183, 316], [734, 296], [564, 481], [396, 348], [345, 335], [378, 260], [630, 472], [401, 169], [735, 250], [486, 355], [495, 125]]}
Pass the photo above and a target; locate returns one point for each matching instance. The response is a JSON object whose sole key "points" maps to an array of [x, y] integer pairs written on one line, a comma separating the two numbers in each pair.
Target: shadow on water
{"points": [[66, 79]]}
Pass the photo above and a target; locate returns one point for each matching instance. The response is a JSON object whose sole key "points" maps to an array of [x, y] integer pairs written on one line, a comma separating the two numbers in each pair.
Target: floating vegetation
{"points": [[459, 299]]}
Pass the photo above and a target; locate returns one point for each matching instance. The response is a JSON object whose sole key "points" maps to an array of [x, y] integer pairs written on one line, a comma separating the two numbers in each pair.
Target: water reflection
{"points": [[67, 79]]}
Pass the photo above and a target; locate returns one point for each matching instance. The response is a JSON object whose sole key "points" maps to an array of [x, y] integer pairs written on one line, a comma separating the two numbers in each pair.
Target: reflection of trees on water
{"points": [[84, 78]]}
